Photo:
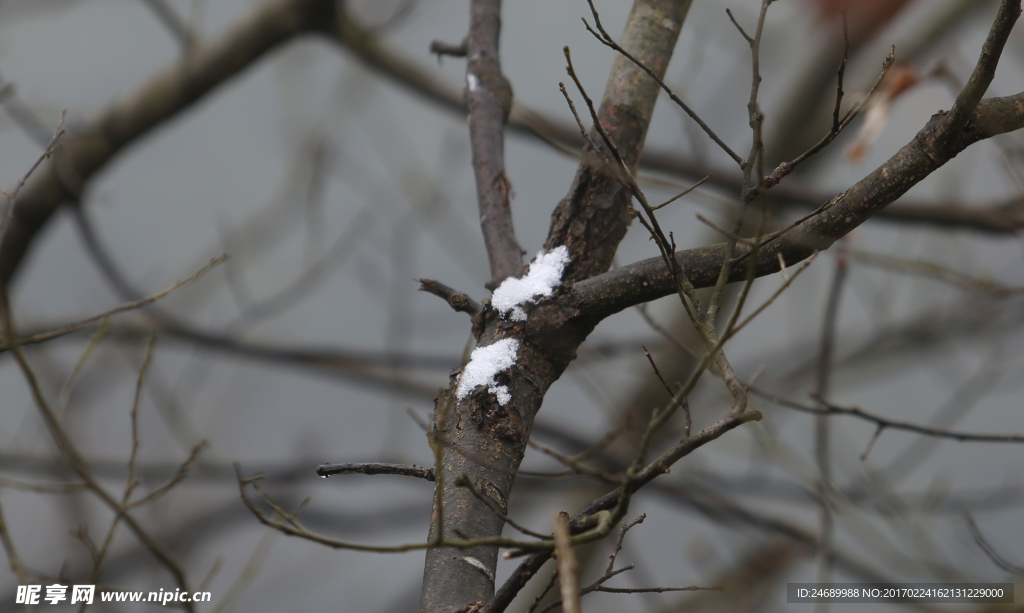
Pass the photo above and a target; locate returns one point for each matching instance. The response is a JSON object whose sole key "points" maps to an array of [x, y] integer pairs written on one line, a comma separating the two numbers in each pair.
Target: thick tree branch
{"points": [[484, 436], [593, 217], [170, 92], [1005, 217], [649, 279], [278, 20]]}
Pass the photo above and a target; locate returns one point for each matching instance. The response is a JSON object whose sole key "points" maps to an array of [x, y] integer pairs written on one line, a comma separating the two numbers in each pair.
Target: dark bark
{"points": [[609, 293], [592, 219], [484, 440]]}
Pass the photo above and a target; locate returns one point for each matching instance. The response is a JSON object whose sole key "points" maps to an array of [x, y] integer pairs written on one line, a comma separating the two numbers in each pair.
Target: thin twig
{"points": [[292, 527], [681, 194], [989, 550], [838, 125], [464, 481], [731, 236], [935, 271], [623, 529], [738, 26], [75, 459], [174, 24], [130, 306], [456, 299], [657, 372], [608, 41], [13, 559], [576, 465], [660, 329], [684, 406], [827, 408], [48, 151], [175, 479], [544, 592]]}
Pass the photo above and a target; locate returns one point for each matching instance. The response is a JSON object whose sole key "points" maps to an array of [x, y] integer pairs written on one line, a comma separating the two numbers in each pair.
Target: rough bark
{"points": [[484, 440], [593, 217]]}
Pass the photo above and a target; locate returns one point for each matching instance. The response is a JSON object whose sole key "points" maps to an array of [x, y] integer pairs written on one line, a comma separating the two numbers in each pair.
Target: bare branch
{"points": [[998, 218], [131, 306], [75, 459], [989, 550], [49, 150], [375, 468], [882, 423], [743, 32], [642, 281], [967, 101], [456, 299], [606, 39], [463, 481], [163, 97], [489, 102]]}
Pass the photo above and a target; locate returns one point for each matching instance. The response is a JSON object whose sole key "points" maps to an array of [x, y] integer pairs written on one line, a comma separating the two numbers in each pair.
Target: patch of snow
{"points": [[472, 82], [545, 273], [484, 364]]}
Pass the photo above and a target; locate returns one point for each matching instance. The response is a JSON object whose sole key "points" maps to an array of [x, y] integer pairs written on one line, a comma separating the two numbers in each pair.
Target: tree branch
{"points": [[649, 279], [375, 468], [489, 102], [593, 217], [590, 222], [455, 299], [180, 85], [984, 70], [882, 423], [163, 97], [999, 218]]}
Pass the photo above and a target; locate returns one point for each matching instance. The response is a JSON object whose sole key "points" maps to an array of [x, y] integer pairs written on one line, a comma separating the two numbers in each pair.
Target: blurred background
{"points": [[334, 186]]}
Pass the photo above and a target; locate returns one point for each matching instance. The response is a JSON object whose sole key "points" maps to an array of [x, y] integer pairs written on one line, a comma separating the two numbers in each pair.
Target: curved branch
{"points": [[163, 97]]}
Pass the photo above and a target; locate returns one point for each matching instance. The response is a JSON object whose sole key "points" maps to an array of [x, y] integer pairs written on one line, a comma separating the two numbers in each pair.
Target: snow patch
{"points": [[472, 82], [484, 364], [545, 273]]}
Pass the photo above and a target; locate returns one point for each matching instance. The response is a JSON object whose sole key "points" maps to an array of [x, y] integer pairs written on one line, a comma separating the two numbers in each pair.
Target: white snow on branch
{"points": [[545, 273], [484, 364]]}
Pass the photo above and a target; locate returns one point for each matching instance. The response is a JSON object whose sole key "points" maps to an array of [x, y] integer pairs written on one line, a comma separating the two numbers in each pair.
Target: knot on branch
{"points": [[455, 299]]}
